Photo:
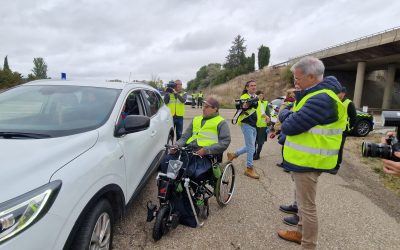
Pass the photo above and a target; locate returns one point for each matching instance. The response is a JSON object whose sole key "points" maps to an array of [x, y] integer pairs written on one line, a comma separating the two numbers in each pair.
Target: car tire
{"points": [[96, 230], [362, 128]]}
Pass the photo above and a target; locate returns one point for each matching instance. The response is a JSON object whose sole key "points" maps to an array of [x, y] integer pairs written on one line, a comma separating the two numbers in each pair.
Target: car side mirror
{"points": [[132, 124]]}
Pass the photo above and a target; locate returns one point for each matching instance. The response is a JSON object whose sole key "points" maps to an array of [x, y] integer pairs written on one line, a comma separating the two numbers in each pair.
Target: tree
{"points": [[5, 66], [251, 61], [39, 69], [237, 54], [263, 56], [156, 82]]}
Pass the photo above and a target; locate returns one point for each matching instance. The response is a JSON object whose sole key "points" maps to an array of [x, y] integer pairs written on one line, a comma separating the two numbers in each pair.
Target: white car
{"points": [[72, 156]]}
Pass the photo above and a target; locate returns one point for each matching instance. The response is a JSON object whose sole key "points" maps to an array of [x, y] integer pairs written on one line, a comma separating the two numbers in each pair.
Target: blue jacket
{"points": [[318, 110]]}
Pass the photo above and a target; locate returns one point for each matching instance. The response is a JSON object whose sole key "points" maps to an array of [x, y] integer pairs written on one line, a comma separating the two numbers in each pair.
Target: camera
{"points": [[246, 104], [381, 150], [170, 87]]}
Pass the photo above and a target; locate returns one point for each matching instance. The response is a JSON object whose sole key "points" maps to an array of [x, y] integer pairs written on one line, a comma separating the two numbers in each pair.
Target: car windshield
{"points": [[51, 111]]}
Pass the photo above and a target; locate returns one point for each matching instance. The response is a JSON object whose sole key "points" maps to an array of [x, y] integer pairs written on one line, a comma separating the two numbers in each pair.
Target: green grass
{"points": [[390, 181]]}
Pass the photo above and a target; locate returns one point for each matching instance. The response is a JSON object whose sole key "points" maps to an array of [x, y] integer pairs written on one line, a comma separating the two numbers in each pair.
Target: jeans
{"points": [[178, 125], [249, 134]]}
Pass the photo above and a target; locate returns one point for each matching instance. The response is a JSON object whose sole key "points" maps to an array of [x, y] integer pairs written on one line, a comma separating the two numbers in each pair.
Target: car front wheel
{"points": [[362, 128], [96, 230]]}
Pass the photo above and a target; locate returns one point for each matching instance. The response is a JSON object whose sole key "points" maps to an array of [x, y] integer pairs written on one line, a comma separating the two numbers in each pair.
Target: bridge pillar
{"points": [[388, 93], [359, 83]]}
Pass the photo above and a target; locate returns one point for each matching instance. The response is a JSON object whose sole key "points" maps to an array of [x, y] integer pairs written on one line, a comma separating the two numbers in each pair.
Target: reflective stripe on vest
{"points": [[318, 147], [262, 105], [246, 113], [346, 105], [207, 134], [176, 107]]}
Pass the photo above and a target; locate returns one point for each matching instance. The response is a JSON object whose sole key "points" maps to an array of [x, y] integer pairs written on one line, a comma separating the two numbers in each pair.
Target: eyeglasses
{"points": [[296, 79]]}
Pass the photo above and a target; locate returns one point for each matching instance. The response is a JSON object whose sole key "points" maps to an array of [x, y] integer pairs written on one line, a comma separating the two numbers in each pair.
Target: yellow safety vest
{"points": [[346, 105], [206, 135], [318, 147], [176, 107], [262, 105], [246, 113], [200, 95]]}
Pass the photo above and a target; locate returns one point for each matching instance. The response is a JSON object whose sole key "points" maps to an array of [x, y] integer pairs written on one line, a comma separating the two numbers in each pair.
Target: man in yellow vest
{"points": [[313, 130], [175, 100], [207, 134], [351, 119], [200, 99]]}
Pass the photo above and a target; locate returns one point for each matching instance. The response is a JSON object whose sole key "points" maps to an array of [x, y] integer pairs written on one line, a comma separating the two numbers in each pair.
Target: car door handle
{"points": [[153, 133]]}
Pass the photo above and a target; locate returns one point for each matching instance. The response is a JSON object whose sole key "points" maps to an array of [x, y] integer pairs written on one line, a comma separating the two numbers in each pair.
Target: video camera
{"points": [[170, 87], [246, 104], [385, 151]]}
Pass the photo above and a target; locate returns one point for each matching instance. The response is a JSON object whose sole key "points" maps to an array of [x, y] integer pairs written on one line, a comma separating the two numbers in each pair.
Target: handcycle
{"points": [[179, 182]]}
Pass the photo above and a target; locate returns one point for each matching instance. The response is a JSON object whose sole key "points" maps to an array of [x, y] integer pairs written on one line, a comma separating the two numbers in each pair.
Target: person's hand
{"points": [[172, 150], [201, 152], [388, 134], [392, 167]]}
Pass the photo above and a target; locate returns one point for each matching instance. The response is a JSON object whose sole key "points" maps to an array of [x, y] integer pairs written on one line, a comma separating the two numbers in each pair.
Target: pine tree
{"points": [[237, 54], [6, 67]]}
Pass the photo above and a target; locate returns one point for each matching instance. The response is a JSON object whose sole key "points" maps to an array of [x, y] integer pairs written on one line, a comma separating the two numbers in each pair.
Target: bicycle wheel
{"points": [[225, 186], [160, 226]]}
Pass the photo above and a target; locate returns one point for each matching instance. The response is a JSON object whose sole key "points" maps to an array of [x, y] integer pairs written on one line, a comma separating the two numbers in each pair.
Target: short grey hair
{"points": [[310, 66]]}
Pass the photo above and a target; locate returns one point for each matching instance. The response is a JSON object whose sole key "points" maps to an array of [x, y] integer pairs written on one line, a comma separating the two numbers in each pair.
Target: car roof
{"points": [[87, 83]]}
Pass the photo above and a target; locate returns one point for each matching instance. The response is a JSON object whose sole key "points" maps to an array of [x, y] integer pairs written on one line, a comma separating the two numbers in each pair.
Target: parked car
{"points": [[73, 156], [189, 100], [363, 125]]}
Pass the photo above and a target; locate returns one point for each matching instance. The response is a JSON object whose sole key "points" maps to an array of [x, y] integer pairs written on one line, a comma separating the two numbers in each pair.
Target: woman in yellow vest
{"points": [[263, 118], [248, 123]]}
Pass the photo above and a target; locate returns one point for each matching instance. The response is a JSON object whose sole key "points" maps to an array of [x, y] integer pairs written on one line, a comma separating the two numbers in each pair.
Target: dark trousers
{"points": [[178, 125], [200, 102], [260, 139]]}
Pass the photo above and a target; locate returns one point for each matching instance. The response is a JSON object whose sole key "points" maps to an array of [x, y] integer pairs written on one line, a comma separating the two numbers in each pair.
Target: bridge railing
{"points": [[336, 45]]}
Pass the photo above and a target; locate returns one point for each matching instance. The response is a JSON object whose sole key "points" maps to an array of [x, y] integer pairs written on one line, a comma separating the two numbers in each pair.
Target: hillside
{"points": [[269, 80]]}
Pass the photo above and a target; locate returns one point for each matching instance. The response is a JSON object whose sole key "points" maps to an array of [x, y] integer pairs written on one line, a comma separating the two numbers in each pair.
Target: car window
{"points": [[55, 110], [153, 101], [133, 105]]}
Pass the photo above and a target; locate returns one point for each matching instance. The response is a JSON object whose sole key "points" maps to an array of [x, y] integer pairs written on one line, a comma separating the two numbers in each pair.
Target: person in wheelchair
{"points": [[208, 135]]}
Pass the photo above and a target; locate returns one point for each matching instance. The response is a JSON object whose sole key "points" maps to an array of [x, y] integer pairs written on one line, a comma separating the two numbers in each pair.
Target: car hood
{"points": [[28, 164]]}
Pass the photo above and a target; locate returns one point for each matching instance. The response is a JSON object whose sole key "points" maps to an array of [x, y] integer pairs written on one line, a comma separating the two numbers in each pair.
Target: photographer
{"points": [[247, 120], [175, 99], [389, 166]]}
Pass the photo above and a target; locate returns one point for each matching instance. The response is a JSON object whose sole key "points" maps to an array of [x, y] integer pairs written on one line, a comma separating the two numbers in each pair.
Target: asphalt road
{"points": [[354, 212]]}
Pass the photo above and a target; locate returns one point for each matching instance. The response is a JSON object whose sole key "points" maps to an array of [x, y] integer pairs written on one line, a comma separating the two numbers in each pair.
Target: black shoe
{"points": [[279, 165], [291, 220], [256, 157], [291, 209]]}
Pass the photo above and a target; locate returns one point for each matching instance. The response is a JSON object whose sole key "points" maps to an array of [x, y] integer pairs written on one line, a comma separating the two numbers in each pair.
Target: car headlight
{"points": [[19, 213]]}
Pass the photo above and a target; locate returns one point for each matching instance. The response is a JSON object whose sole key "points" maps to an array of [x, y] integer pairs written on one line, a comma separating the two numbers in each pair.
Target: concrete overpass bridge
{"points": [[354, 61]]}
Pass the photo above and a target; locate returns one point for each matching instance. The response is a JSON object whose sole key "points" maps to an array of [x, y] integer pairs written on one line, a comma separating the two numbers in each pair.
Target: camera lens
{"points": [[376, 150]]}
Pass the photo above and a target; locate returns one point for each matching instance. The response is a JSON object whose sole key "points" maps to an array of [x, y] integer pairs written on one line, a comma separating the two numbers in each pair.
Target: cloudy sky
{"points": [[171, 39]]}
